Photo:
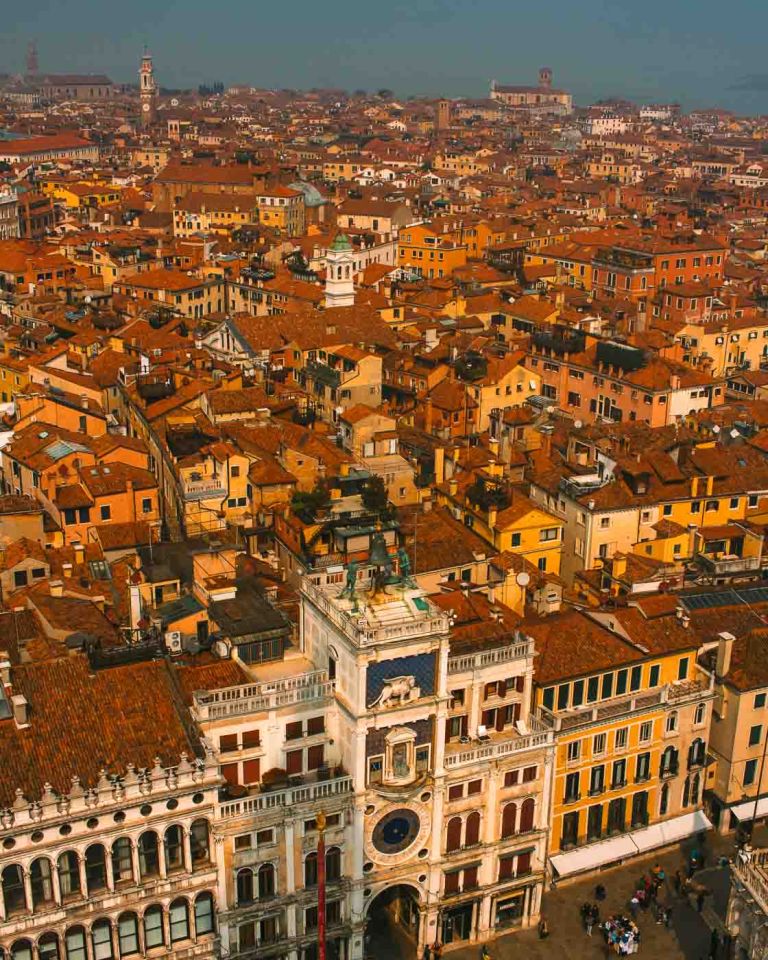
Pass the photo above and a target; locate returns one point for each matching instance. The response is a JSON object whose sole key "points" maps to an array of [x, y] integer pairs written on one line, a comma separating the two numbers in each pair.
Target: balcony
{"points": [[470, 662], [498, 747], [208, 488], [322, 373], [725, 565], [641, 702], [266, 800], [418, 618], [257, 697], [751, 868]]}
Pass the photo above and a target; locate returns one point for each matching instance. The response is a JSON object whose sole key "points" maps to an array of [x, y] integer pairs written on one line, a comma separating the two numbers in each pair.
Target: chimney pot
{"points": [[20, 710]]}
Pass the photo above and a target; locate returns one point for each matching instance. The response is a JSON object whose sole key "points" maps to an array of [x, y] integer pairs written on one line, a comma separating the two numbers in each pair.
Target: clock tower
{"points": [[147, 91]]}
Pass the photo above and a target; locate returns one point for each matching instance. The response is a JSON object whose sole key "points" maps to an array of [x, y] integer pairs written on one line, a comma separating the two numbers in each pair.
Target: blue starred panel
{"points": [[420, 666]]}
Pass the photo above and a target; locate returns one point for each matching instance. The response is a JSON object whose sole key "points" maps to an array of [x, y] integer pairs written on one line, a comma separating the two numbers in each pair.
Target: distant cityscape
{"points": [[383, 518]]}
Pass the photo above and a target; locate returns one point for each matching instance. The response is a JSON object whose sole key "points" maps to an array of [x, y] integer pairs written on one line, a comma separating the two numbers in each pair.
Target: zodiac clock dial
{"points": [[396, 831]]}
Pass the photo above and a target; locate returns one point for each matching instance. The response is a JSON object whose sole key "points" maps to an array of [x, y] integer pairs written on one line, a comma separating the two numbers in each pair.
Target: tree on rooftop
{"points": [[375, 498], [313, 502]]}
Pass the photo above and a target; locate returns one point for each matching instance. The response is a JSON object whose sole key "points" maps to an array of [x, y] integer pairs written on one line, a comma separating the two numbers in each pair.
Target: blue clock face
{"points": [[396, 831]]}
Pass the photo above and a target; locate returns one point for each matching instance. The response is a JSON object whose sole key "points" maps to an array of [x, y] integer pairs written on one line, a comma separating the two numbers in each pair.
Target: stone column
{"points": [[186, 846], [27, 888], [135, 860], [83, 877]]}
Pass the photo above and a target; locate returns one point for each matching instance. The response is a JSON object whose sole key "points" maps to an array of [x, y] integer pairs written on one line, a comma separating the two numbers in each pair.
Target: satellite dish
{"points": [[88, 299], [716, 428], [734, 434], [523, 579], [577, 424], [174, 102]]}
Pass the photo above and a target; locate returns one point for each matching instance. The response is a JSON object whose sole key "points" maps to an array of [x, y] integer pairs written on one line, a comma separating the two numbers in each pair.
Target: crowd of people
{"points": [[622, 935]]}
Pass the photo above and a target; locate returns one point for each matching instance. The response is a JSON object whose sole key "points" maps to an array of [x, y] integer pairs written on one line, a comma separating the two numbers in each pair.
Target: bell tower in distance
{"points": [[147, 91]]}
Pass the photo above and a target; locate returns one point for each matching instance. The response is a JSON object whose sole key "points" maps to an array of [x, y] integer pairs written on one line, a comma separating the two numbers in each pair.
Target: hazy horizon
{"points": [[656, 51]]}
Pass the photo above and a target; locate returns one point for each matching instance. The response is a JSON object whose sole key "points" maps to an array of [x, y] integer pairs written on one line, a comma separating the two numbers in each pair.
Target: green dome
{"points": [[342, 242]]}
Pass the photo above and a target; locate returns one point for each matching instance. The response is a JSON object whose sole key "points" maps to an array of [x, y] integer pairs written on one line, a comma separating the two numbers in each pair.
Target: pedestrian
{"points": [[437, 951], [427, 955], [667, 917], [595, 914], [600, 893], [543, 929], [700, 901], [484, 954], [714, 945], [634, 904], [588, 923]]}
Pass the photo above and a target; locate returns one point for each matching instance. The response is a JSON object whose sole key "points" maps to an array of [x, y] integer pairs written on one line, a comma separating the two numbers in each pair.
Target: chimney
{"points": [[136, 605], [20, 710], [439, 465], [453, 486], [692, 532], [56, 587], [724, 651], [84, 403], [5, 669], [79, 549]]}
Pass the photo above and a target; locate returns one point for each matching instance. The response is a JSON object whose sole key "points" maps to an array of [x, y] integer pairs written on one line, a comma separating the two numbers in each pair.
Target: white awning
{"points": [[593, 855], [746, 810], [630, 844], [670, 831]]}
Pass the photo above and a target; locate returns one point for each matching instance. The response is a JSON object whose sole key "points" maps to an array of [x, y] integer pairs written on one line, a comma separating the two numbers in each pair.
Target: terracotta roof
{"points": [[110, 718]]}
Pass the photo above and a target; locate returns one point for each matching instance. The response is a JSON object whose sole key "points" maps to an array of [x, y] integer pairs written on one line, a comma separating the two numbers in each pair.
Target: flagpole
{"points": [[321, 886]]}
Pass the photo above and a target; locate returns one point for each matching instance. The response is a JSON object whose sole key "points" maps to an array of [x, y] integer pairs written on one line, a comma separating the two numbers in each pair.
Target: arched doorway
{"points": [[392, 924]]}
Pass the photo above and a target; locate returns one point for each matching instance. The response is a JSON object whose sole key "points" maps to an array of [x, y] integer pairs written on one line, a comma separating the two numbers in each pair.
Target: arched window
{"points": [[695, 786], [69, 874], [472, 830], [453, 834], [128, 934], [74, 941], [266, 880], [22, 950], [41, 877], [204, 922], [664, 799], [149, 855], [179, 920], [198, 838], [245, 885], [509, 820], [669, 762], [95, 868], [696, 753], [48, 947], [174, 848], [310, 870], [122, 860], [13, 889], [101, 940], [701, 713], [527, 812], [154, 932], [332, 864], [671, 724]]}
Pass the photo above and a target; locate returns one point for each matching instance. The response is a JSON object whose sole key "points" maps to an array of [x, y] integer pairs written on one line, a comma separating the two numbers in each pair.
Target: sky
{"points": [[696, 52]]}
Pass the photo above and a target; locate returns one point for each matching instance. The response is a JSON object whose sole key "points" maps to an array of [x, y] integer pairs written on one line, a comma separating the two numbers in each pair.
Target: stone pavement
{"points": [[688, 938]]}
